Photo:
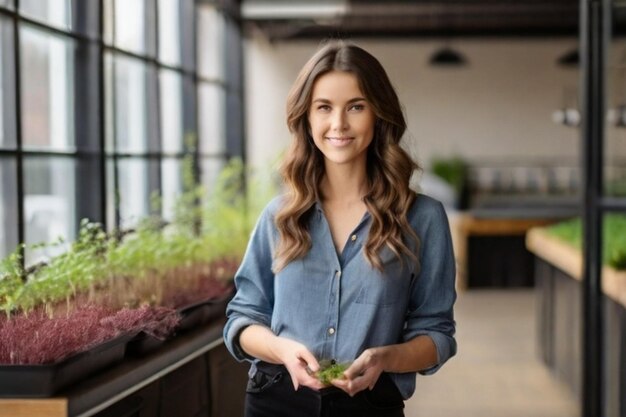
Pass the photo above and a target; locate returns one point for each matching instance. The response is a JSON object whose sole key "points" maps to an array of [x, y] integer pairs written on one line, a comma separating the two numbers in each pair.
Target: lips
{"points": [[340, 140]]}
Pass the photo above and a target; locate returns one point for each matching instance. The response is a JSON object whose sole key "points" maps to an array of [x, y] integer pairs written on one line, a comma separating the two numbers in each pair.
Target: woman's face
{"points": [[341, 119]]}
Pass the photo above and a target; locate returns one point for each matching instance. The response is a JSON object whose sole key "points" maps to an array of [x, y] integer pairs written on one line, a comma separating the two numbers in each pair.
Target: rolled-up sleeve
{"points": [[253, 302], [433, 291]]}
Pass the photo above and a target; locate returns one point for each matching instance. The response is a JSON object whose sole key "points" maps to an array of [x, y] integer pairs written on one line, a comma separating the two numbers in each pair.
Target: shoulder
{"points": [[273, 207], [425, 212], [268, 214]]}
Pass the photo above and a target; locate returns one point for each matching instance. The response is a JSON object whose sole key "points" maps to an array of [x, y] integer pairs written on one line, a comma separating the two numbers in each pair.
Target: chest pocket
{"points": [[385, 288]]}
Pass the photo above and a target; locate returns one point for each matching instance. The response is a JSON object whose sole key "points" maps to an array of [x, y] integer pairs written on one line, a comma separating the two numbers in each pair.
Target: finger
{"points": [[309, 360], [355, 370], [348, 387], [315, 384], [294, 381]]}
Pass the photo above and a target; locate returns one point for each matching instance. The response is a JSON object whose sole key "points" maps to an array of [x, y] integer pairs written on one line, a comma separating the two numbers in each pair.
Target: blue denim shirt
{"points": [[338, 305]]}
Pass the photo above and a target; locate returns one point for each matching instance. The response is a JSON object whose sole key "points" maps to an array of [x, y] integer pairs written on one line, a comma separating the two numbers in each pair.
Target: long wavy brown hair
{"points": [[389, 167]]}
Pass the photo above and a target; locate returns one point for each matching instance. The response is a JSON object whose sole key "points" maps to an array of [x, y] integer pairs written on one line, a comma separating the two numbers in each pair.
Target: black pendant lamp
{"points": [[569, 59], [447, 57]]}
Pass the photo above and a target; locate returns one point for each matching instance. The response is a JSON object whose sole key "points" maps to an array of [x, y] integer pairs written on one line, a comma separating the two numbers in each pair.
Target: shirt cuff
{"points": [[231, 337], [446, 348]]}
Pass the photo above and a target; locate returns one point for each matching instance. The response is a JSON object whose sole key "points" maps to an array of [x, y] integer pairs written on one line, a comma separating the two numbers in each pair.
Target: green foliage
{"points": [[453, 170], [69, 273], [225, 226], [614, 237], [11, 273], [131, 269], [330, 370]]}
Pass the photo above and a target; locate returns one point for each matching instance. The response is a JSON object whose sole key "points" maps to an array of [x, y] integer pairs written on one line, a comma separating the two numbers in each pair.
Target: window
{"points": [[169, 32], [171, 186], [172, 139], [7, 86], [53, 12], [47, 92], [211, 124], [79, 154], [171, 111], [210, 53], [129, 25], [133, 191], [211, 168], [8, 206], [49, 204], [130, 82]]}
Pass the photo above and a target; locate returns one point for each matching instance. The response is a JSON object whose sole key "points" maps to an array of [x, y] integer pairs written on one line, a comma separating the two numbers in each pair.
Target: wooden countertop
{"points": [[569, 259], [464, 225]]}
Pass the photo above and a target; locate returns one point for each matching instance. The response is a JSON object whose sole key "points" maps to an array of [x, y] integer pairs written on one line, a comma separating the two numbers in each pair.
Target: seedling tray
{"points": [[203, 312], [38, 381]]}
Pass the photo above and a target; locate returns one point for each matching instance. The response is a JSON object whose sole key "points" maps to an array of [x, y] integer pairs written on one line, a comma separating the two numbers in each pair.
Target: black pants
{"points": [[270, 393]]}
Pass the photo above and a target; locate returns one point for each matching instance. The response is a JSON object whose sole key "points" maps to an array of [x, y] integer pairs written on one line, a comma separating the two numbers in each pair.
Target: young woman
{"points": [[350, 265]]}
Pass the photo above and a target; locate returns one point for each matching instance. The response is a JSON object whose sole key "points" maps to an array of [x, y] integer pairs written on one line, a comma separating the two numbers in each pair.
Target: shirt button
{"points": [[353, 238], [331, 330], [337, 274]]}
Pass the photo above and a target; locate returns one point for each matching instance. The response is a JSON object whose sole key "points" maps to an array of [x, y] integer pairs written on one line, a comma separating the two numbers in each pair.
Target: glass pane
{"points": [[211, 168], [169, 32], [111, 195], [47, 65], [107, 21], [49, 205], [171, 185], [6, 3], [171, 104], [133, 191], [8, 206], [211, 119], [615, 143], [129, 25], [127, 104], [53, 12], [210, 42], [7, 86], [109, 99]]}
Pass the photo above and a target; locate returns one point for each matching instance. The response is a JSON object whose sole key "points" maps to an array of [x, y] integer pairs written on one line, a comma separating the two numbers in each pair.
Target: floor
{"points": [[496, 372]]}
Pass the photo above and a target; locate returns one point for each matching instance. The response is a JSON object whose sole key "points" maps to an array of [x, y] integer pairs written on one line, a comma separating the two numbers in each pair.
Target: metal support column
{"points": [[593, 43]]}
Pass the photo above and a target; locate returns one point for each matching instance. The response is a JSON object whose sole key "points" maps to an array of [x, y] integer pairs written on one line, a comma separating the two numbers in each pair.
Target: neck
{"points": [[344, 183]]}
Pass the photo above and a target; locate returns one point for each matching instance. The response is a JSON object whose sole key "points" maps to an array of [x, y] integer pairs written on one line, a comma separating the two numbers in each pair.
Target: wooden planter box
{"points": [[558, 270]]}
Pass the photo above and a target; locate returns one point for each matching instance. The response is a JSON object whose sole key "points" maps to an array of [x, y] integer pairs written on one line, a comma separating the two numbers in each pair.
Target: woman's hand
{"points": [[260, 342], [300, 363], [363, 373]]}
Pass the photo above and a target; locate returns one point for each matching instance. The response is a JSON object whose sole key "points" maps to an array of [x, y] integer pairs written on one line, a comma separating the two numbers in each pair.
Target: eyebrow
{"points": [[326, 101]]}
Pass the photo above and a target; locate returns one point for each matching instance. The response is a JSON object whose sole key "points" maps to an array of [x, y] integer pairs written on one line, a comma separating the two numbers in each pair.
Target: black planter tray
{"points": [[204, 311], [144, 343], [191, 317], [38, 381]]}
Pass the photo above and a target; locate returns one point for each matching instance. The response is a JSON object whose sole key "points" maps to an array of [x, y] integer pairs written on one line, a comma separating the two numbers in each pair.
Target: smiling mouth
{"points": [[339, 140]]}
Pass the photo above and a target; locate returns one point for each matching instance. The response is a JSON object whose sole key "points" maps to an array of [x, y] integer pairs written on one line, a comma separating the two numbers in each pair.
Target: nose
{"points": [[339, 121]]}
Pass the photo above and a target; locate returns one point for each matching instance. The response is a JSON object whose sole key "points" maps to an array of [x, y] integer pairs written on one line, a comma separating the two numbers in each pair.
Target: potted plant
{"points": [[454, 171]]}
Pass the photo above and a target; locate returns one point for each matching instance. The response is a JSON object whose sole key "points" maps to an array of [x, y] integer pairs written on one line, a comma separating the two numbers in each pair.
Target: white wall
{"points": [[499, 106]]}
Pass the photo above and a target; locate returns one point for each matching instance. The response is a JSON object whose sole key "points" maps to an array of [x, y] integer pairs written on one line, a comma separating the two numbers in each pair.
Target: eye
{"points": [[357, 107], [323, 107]]}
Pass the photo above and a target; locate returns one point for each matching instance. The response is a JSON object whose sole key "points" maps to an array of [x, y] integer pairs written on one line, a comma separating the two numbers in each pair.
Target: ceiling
{"points": [[292, 19]]}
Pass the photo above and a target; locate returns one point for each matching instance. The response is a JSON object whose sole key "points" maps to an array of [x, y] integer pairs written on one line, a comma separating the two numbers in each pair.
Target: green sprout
{"points": [[330, 370]]}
